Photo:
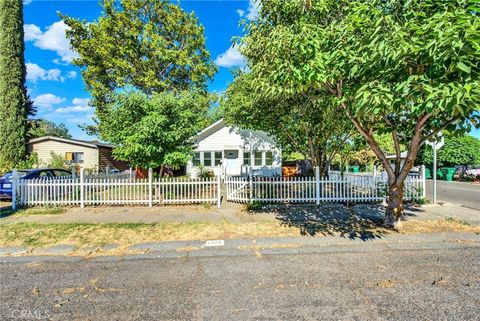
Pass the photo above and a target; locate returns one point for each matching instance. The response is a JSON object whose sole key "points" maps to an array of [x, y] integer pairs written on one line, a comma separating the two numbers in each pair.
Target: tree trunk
{"points": [[394, 210]]}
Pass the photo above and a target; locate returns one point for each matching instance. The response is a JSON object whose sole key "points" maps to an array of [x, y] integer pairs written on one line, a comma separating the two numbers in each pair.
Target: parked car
{"points": [[6, 179]]}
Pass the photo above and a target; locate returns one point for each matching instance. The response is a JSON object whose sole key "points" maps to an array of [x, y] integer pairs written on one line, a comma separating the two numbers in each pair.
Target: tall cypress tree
{"points": [[13, 100]]}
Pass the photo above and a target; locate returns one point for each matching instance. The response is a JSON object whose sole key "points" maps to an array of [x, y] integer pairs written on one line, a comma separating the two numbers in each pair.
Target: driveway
{"points": [[466, 194], [417, 280]]}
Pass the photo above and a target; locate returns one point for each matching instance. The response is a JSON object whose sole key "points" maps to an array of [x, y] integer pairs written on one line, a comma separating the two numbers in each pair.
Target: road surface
{"points": [[466, 194], [435, 281]]}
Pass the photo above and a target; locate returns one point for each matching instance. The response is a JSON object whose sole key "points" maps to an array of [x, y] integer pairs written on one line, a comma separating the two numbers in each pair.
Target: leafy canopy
{"points": [[147, 45], [458, 150], [151, 131], [43, 127], [406, 68], [294, 122]]}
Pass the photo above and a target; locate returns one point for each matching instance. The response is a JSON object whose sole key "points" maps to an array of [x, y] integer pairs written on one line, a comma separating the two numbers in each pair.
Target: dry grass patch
{"points": [[438, 226], [94, 235]]}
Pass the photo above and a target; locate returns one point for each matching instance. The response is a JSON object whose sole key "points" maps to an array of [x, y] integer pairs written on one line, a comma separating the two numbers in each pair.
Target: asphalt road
{"points": [[466, 194], [427, 282]]}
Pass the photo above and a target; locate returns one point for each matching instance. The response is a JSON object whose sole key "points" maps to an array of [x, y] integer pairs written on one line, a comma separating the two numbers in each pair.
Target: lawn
{"points": [[33, 235]]}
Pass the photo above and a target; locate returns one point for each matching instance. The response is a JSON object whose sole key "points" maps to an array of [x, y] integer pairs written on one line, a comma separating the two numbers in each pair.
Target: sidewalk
{"points": [[235, 214]]}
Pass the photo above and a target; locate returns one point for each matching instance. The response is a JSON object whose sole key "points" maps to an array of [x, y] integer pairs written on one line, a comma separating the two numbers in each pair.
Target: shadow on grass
{"points": [[353, 222], [6, 211]]}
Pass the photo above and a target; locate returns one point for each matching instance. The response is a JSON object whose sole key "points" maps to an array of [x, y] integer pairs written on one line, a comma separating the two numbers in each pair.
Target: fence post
{"points": [[82, 188], [150, 187], [219, 195], [130, 174], [14, 189], [424, 183], [317, 185], [250, 182]]}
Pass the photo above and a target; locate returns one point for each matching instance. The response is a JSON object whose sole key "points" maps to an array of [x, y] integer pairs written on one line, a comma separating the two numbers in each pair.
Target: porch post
{"points": [[317, 185]]}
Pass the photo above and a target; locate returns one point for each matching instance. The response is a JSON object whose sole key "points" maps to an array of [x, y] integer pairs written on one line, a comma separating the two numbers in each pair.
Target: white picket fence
{"points": [[115, 190], [358, 187]]}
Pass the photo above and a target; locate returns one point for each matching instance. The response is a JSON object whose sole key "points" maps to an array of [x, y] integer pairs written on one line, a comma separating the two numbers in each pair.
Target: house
{"points": [[86, 154], [234, 151], [391, 159]]}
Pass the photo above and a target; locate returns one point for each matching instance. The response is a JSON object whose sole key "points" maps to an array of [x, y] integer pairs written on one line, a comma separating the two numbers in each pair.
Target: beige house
{"points": [[86, 154]]}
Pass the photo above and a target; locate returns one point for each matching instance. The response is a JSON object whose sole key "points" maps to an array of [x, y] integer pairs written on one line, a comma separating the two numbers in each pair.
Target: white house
{"points": [[235, 150]]}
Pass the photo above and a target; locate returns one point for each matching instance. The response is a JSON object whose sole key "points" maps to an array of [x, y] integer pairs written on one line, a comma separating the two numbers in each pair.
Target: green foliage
{"points": [[151, 131], [295, 122], [205, 172], [57, 161], [458, 150], [43, 127], [31, 161], [13, 99], [147, 45]]}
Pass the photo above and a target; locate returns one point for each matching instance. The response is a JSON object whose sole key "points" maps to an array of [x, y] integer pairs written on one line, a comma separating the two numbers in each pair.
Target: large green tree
{"points": [[43, 127], [404, 68], [13, 100], [152, 131], [294, 122], [461, 150], [147, 45]]}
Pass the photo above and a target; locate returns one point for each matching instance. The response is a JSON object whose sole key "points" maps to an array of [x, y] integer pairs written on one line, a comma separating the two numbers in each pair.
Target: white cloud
{"points": [[80, 101], [32, 32], [47, 101], [35, 73], [80, 105], [252, 10], [230, 58], [73, 109], [27, 2], [53, 38], [72, 74]]}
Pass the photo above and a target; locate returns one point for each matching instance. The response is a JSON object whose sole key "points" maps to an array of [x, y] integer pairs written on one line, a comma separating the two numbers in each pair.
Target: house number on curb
{"points": [[215, 243]]}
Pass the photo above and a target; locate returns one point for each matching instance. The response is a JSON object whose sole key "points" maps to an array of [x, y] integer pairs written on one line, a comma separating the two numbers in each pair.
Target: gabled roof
{"points": [[216, 125], [86, 143]]}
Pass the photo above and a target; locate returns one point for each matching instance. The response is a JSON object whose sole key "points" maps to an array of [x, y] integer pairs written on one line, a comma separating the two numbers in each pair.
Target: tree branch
{"points": [[436, 131]]}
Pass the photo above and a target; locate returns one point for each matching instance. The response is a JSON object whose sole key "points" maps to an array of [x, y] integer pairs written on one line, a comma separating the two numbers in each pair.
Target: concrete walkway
{"points": [[235, 214]]}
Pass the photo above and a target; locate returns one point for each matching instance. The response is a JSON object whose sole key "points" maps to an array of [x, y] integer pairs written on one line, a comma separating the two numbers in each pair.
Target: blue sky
{"points": [[56, 86]]}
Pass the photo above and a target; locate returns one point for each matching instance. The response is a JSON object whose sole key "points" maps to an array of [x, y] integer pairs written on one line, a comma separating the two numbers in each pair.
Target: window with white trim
{"points": [[258, 158], [247, 158], [207, 159], [268, 158]]}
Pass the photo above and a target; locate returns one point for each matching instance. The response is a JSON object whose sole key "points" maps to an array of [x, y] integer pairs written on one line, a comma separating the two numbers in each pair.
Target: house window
{"points": [[218, 158], [247, 158], [258, 158], [207, 159], [268, 158], [74, 157], [196, 159]]}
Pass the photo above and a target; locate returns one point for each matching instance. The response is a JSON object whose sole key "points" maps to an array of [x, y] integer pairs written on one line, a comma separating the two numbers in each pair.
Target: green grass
{"points": [[49, 210], [457, 220]]}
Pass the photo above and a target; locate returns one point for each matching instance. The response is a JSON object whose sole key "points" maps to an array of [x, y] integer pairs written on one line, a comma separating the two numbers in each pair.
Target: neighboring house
{"points": [[86, 154], [235, 150], [392, 158]]}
